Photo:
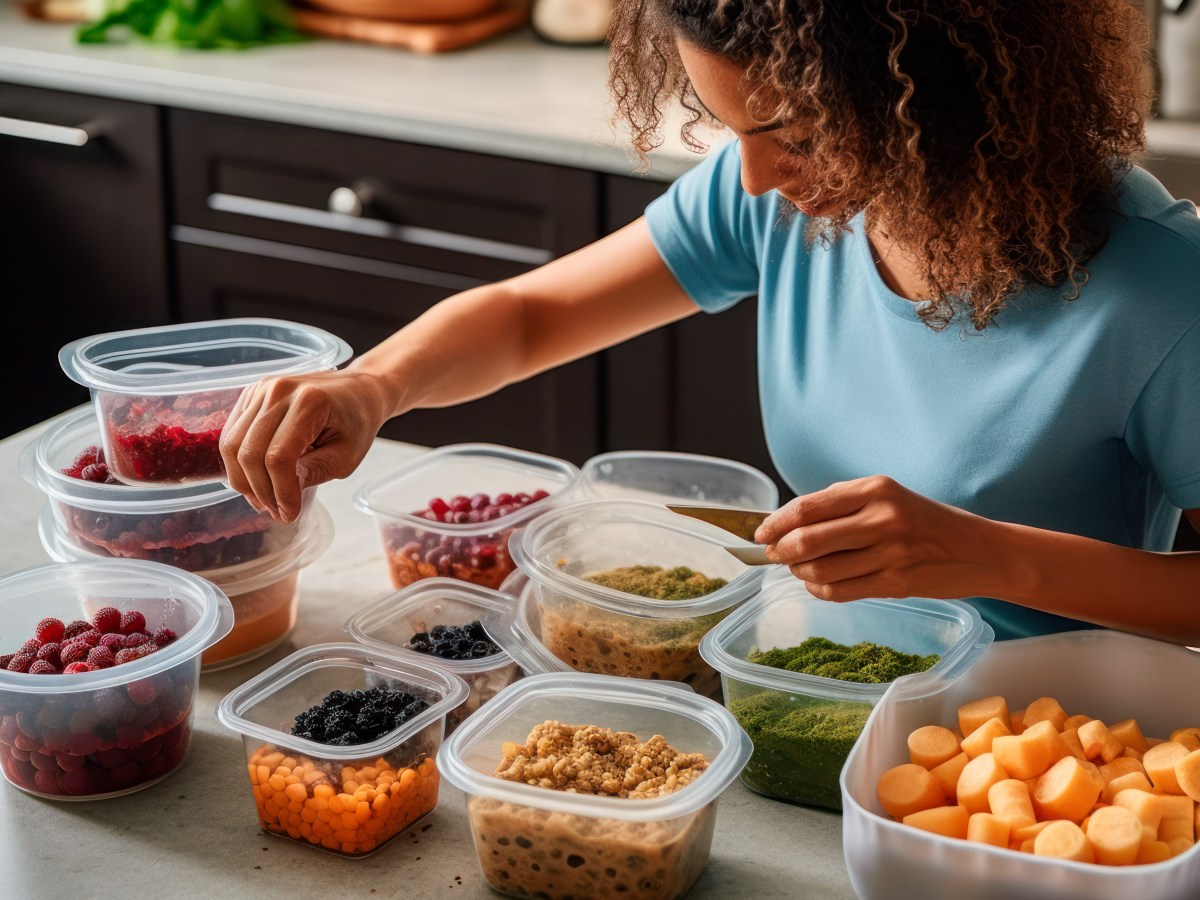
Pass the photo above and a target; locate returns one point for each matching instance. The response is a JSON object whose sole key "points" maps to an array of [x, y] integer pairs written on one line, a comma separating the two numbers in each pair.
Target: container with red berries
{"points": [[162, 395], [451, 624], [98, 671], [450, 512]]}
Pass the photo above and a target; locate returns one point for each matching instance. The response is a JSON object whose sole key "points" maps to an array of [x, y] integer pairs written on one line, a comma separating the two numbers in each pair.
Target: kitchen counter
{"points": [[514, 96], [196, 833]]}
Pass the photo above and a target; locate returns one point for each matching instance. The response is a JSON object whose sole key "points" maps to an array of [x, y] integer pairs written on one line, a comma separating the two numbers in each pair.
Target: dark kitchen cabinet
{"points": [[84, 246]]}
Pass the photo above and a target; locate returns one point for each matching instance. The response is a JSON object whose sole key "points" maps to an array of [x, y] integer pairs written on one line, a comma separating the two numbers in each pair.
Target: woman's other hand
{"points": [[292, 432]]}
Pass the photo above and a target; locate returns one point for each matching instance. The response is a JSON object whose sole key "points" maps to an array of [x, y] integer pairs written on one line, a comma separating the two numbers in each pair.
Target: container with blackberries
{"points": [[449, 513], [98, 671], [451, 625]]}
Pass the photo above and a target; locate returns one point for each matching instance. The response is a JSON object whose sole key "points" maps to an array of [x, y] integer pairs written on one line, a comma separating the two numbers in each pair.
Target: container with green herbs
{"points": [[801, 676]]}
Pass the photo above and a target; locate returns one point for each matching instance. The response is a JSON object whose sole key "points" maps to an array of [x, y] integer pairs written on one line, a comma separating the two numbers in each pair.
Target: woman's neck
{"points": [[898, 268]]}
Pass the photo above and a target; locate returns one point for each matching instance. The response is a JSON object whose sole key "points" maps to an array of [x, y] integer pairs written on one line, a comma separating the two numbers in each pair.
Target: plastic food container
{"points": [[391, 623], [804, 726], [114, 731], [521, 627], [536, 842], [264, 592], [468, 544], [649, 475], [162, 394], [609, 632], [350, 800], [198, 527], [1156, 685]]}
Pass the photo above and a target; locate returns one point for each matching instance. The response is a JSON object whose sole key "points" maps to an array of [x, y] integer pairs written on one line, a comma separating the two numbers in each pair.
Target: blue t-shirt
{"points": [[1080, 417]]}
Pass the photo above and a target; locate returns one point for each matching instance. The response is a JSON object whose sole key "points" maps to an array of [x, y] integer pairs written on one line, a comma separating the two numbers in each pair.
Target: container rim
{"points": [[89, 360], [389, 608], [576, 687], [587, 478], [215, 621], [521, 643], [522, 547], [37, 468], [975, 638], [367, 497], [451, 690]]}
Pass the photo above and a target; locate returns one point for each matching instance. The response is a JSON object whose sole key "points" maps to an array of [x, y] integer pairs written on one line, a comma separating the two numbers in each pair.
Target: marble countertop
{"points": [[196, 833]]}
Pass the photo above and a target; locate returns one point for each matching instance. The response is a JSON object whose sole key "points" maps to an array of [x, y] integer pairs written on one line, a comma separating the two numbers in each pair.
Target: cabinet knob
{"points": [[349, 201]]}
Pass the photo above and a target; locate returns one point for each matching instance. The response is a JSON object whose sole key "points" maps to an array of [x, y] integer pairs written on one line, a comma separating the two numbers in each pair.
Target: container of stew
{"points": [[450, 511], [602, 630], [391, 624], [537, 842], [804, 726], [162, 395], [679, 477], [349, 800]]}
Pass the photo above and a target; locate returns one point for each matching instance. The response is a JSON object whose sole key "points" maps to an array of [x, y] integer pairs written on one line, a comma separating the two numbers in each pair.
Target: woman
{"points": [[979, 342]]}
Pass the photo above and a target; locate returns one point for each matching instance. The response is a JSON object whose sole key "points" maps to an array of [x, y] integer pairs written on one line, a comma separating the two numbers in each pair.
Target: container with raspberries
{"points": [[450, 623], [98, 673], [450, 512], [341, 742], [162, 395]]}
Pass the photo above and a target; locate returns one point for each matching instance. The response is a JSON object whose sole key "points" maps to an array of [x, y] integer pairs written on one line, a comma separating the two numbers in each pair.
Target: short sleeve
{"points": [[703, 230], [1163, 432]]}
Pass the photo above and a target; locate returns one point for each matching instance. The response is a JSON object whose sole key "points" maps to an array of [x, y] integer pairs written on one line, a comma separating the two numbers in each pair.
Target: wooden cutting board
{"points": [[423, 37]]}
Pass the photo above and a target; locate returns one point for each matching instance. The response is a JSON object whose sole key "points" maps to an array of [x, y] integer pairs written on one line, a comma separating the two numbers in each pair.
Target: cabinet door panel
{"points": [[554, 413], [84, 239]]}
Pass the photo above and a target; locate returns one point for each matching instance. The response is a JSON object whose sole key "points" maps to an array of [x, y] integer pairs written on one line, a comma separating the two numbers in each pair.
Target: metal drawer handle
{"points": [[50, 134], [359, 224]]}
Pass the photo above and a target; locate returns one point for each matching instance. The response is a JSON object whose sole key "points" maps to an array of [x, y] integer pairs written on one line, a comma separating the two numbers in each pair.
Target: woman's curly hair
{"points": [[984, 136]]}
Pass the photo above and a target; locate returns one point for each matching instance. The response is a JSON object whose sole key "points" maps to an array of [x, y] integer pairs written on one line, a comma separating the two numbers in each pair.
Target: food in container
{"points": [[449, 512], [652, 475], [536, 842], [889, 859], [804, 726], [392, 623], [116, 729], [162, 395], [599, 629], [350, 798]]}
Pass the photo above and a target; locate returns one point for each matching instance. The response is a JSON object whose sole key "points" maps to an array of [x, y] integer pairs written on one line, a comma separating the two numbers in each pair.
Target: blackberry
{"points": [[457, 642], [345, 719]]}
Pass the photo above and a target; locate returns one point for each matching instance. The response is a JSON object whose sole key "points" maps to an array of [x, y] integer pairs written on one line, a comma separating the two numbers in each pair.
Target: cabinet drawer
{"points": [[555, 413], [489, 217]]}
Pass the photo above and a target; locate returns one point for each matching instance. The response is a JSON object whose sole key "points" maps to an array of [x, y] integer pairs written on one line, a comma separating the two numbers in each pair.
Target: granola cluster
{"points": [[587, 759]]}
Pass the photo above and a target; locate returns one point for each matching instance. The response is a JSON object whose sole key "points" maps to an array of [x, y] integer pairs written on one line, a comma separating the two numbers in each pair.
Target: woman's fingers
{"points": [[809, 542], [232, 437], [296, 432], [839, 567], [841, 499]]}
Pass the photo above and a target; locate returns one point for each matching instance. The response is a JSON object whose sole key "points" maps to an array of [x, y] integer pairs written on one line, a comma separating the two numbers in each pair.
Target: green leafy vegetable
{"points": [[205, 24]]}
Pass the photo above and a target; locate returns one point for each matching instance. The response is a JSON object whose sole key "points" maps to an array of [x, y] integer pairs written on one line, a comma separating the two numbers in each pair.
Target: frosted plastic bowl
{"points": [[536, 842], [687, 477], [110, 732], [1107, 674], [417, 547], [768, 701], [162, 394], [365, 795], [391, 623]]}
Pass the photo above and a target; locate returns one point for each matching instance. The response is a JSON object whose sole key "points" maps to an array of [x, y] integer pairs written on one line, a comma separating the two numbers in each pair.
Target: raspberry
{"points": [[76, 628], [107, 620], [50, 630], [5, 660], [41, 667], [132, 621], [21, 662], [91, 637], [97, 472], [33, 645], [76, 651], [101, 658], [77, 667], [88, 456], [50, 653], [141, 692], [132, 653], [164, 636], [113, 642], [129, 641]]}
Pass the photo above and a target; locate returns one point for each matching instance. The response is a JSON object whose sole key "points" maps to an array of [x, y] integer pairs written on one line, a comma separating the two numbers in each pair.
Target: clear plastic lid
{"points": [[389, 623], [224, 353], [466, 469], [42, 462], [690, 723], [264, 706], [189, 605], [562, 546], [692, 478], [785, 615]]}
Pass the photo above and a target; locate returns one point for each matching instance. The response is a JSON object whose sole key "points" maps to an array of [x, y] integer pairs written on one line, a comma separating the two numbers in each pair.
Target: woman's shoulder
{"points": [[1146, 210]]}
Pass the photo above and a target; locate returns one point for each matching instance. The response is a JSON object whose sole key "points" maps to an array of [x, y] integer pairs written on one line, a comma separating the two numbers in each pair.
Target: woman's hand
{"points": [[293, 432], [872, 537]]}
